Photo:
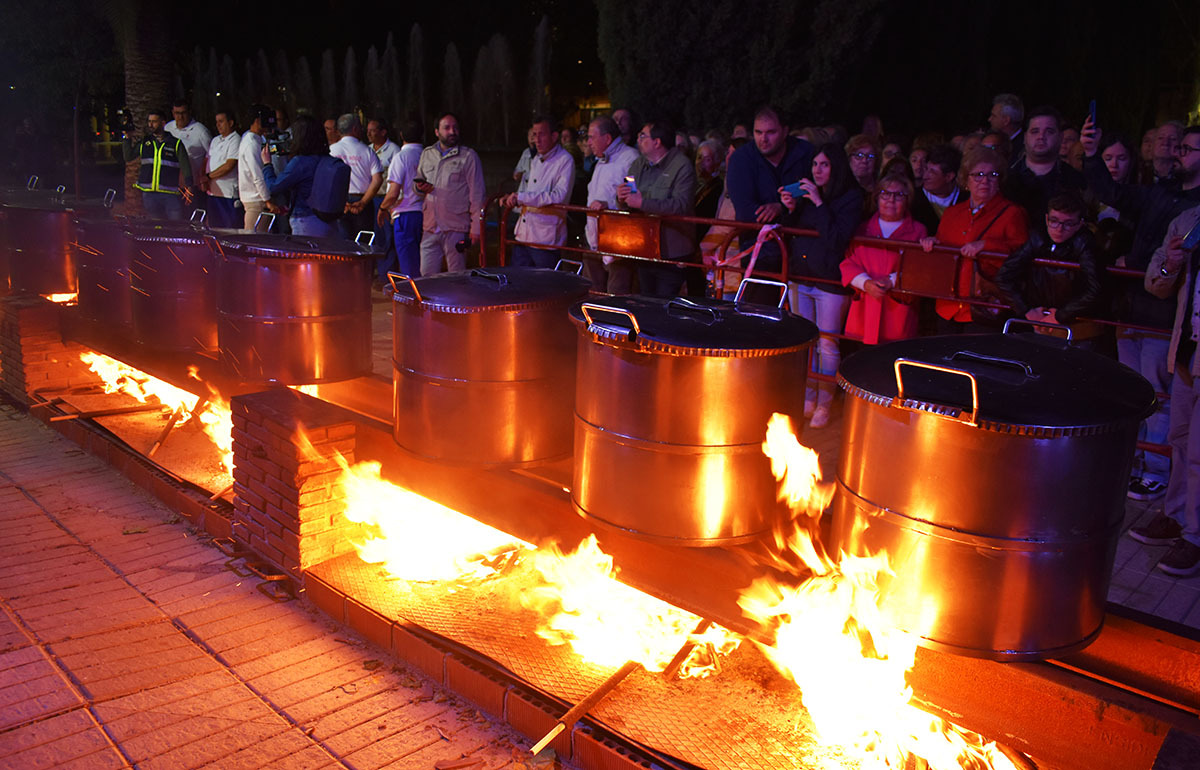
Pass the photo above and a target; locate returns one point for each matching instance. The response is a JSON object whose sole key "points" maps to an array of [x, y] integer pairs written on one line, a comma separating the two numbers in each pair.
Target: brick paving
{"points": [[125, 641]]}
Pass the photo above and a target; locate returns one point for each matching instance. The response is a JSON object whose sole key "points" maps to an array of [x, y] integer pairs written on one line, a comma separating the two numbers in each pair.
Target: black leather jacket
{"points": [[1073, 293]]}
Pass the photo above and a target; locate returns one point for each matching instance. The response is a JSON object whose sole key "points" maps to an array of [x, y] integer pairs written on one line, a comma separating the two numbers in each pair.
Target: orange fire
{"points": [[415, 538], [215, 419], [607, 622], [834, 640], [62, 299]]}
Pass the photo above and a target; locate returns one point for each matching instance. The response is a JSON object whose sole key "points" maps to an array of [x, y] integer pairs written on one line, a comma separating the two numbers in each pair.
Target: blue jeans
{"points": [[527, 256], [1182, 502], [406, 229], [1147, 355], [222, 213], [827, 310], [163, 205], [314, 226]]}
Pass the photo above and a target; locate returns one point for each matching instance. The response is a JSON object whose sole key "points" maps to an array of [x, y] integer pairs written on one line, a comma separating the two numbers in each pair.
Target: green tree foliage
{"points": [[711, 64]]}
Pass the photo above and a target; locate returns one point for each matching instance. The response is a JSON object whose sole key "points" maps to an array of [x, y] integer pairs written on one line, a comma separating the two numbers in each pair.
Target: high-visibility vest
{"points": [[160, 165]]}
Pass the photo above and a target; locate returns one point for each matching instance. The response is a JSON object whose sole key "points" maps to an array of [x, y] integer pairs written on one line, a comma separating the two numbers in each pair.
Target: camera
{"points": [[278, 143], [127, 124]]}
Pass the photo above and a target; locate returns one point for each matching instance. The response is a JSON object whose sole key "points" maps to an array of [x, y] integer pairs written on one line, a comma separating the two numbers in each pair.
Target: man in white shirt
{"points": [[403, 203], [613, 159], [366, 175], [196, 139], [385, 149], [252, 186], [549, 181], [221, 173]]}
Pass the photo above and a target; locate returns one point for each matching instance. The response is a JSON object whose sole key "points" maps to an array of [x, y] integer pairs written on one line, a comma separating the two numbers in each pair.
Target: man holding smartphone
{"points": [[1173, 271], [664, 182], [450, 182]]}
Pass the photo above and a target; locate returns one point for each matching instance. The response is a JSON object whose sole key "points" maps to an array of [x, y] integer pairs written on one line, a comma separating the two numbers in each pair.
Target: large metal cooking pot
{"points": [[173, 281], [671, 407], [103, 257], [292, 309], [993, 470], [38, 232], [484, 364]]}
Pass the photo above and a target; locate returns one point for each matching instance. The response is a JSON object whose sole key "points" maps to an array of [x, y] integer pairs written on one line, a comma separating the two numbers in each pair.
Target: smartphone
{"points": [[632, 184], [795, 189], [1092, 111], [1192, 239]]}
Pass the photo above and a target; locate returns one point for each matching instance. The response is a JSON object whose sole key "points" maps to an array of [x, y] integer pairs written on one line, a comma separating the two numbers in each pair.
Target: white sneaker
{"points": [[810, 406], [820, 417]]}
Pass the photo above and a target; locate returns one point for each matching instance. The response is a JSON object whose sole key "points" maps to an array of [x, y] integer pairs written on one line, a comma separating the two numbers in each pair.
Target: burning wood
{"points": [[834, 640]]}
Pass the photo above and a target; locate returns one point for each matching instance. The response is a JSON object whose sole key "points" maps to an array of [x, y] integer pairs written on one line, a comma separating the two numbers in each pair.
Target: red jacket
{"points": [[887, 319], [1001, 225]]}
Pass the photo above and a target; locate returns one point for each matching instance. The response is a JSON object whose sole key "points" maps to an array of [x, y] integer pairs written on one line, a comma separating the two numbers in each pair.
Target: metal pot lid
{"points": [[1026, 384], [238, 244], [158, 231], [488, 289], [685, 326], [49, 200]]}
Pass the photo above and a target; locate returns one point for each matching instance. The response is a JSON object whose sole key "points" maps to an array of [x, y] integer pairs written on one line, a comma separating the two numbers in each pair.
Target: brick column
{"points": [[288, 506], [33, 356]]}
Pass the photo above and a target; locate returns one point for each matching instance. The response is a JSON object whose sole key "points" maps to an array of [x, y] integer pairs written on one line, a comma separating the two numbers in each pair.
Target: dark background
{"points": [[919, 64]]}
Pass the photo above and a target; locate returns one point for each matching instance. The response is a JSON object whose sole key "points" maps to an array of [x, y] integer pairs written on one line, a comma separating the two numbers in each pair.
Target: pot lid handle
{"points": [[500, 279], [783, 289], [109, 196], [898, 401], [259, 219], [199, 218], [983, 359], [392, 280], [1035, 324], [569, 263], [588, 306], [370, 239], [685, 305]]}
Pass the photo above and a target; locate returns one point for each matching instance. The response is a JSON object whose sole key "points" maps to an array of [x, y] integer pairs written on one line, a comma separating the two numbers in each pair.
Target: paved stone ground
{"points": [[126, 642]]}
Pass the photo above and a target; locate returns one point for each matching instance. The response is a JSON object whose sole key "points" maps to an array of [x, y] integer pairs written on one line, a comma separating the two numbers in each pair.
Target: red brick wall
{"points": [[33, 356], [288, 506]]}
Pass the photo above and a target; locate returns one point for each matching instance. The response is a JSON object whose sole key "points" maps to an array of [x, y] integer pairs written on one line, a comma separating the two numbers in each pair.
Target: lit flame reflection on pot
{"points": [[835, 642]]}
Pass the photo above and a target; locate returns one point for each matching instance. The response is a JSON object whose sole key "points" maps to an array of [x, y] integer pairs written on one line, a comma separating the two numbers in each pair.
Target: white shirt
{"points": [[252, 187], [607, 175], [402, 171], [221, 149], [196, 139], [361, 159], [385, 152], [548, 181]]}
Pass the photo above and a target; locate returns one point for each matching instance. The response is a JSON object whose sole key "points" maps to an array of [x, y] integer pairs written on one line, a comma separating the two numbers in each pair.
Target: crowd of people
{"points": [[1025, 216]]}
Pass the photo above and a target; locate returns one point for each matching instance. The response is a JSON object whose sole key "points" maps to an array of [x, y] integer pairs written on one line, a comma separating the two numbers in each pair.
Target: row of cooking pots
{"points": [[280, 309], [990, 468]]}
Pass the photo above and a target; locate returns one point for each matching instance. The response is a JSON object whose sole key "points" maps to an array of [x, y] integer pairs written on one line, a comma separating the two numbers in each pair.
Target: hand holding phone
{"points": [[795, 189], [632, 184]]}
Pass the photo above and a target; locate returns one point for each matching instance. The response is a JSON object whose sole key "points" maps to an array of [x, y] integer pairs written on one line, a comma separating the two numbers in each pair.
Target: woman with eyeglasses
{"points": [[866, 157], [986, 221], [876, 313], [831, 204]]}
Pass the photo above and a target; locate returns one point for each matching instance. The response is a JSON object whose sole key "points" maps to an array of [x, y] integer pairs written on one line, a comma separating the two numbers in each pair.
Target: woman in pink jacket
{"points": [[876, 314]]}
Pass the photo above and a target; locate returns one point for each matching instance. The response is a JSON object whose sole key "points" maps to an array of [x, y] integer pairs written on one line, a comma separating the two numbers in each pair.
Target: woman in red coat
{"points": [[987, 221], [876, 314]]}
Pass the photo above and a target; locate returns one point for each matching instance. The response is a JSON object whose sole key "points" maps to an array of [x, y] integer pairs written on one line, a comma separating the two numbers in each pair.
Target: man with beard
{"points": [[1041, 174], [450, 181], [756, 172], [165, 174]]}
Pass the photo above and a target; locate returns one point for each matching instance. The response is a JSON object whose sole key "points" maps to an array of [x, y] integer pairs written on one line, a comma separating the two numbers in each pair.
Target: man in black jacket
{"points": [[1041, 174], [1057, 295], [756, 172], [1154, 207]]}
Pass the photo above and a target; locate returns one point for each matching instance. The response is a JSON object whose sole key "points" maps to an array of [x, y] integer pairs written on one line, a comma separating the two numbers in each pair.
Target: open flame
{"points": [[835, 641], [415, 538], [62, 299], [215, 419], [607, 622]]}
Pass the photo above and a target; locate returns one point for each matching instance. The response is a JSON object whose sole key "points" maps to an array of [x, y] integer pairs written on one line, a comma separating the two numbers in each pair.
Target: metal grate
{"points": [[745, 717]]}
